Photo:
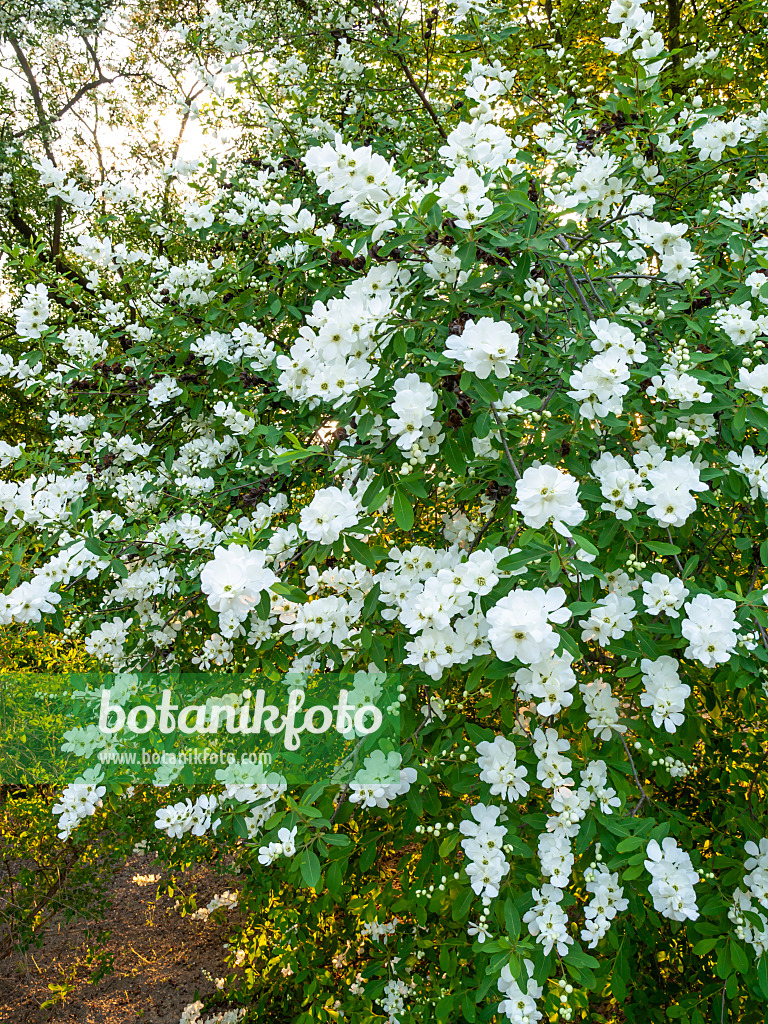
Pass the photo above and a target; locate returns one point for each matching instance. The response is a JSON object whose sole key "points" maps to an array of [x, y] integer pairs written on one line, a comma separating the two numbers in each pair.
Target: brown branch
{"points": [[411, 80], [37, 98]]}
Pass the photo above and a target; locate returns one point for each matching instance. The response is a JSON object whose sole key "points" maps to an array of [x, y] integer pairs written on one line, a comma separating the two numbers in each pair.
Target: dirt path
{"points": [[159, 958]]}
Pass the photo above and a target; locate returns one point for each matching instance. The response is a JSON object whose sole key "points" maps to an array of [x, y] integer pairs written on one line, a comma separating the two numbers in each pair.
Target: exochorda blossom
{"points": [[519, 624], [664, 692], [546, 493], [519, 1006], [463, 195], [331, 511], [601, 384], [710, 628], [602, 708], [547, 921], [482, 845], [485, 347], [755, 381], [673, 880], [498, 766], [664, 595], [235, 579]]}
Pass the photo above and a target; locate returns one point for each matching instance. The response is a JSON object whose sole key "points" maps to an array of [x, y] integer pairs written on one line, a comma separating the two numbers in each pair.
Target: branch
{"points": [[644, 796], [574, 283], [507, 452], [37, 98], [412, 81], [65, 269]]}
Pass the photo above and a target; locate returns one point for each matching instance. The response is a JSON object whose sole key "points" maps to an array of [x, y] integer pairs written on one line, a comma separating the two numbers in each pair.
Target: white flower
{"points": [[498, 766], [544, 493], [235, 579], [331, 511], [710, 629], [755, 381], [673, 880], [163, 391], [664, 594], [664, 692], [519, 624], [485, 347]]}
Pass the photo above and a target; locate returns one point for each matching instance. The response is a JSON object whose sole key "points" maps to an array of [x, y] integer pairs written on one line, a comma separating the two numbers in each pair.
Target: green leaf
{"points": [[360, 551], [368, 856], [661, 547], [448, 845], [758, 417], [511, 919], [310, 868], [705, 945], [587, 545], [738, 423], [304, 453], [762, 973], [444, 1007], [403, 511], [453, 456], [292, 593], [739, 958], [239, 826], [461, 904], [579, 958]]}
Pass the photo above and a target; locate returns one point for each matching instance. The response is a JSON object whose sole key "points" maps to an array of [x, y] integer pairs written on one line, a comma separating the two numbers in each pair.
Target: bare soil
{"points": [[159, 966]]}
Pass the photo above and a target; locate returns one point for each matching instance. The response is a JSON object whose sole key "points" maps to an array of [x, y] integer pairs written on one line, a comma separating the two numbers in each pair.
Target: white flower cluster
{"points": [[754, 467], [746, 929], [547, 920], [233, 582], [375, 931], [607, 901], [330, 512], [547, 493], [757, 867], [192, 1015], [664, 692], [498, 766], [284, 847], [414, 420], [364, 182], [549, 682], [483, 848], [518, 1005], [334, 355], [673, 880], [227, 900], [485, 347], [31, 316], [381, 779], [29, 601], [185, 816], [79, 800], [435, 594], [519, 624], [710, 628]]}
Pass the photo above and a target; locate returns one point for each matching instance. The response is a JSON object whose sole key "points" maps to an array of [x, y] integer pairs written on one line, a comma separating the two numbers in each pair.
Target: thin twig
{"points": [[677, 560], [507, 452], [634, 772], [574, 283]]}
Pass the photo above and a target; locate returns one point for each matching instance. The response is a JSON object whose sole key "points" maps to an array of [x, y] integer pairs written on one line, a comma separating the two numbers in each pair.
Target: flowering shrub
{"points": [[473, 393]]}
